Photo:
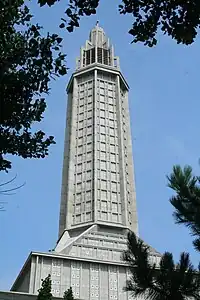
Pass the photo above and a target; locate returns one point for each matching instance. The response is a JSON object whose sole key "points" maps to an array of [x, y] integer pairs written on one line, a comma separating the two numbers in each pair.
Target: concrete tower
{"points": [[98, 181], [98, 203]]}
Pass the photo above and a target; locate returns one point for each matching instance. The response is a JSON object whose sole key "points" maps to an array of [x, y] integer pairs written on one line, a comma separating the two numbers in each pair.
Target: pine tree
{"points": [[168, 281], [186, 200], [44, 293], [68, 295]]}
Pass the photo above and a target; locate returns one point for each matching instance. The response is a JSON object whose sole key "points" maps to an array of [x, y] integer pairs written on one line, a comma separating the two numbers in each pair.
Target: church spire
{"points": [[97, 50]]}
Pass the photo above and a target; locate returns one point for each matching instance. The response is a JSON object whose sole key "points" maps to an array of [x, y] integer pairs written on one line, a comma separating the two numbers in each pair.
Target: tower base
{"points": [[89, 261]]}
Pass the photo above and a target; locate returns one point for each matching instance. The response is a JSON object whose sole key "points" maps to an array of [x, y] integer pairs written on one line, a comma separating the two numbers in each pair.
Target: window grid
{"points": [[109, 209], [109, 205], [82, 205]]}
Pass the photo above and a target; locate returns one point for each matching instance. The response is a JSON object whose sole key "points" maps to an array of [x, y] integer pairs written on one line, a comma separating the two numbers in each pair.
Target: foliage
{"points": [[167, 281], [186, 200], [68, 295], [28, 61], [44, 293], [179, 19]]}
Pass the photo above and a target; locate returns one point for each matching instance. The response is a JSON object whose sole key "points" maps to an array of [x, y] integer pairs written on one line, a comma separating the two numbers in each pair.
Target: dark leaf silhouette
{"points": [[28, 62], [68, 295], [178, 19], [44, 293]]}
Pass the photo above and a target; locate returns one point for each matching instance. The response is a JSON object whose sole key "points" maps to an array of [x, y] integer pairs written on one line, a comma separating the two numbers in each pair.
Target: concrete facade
{"points": [[98, 199], [98, 184], [90, 262]]}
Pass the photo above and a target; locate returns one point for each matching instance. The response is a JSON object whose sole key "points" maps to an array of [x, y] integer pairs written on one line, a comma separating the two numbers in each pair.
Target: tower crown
{"points": [[98, 37], [97, 50]]}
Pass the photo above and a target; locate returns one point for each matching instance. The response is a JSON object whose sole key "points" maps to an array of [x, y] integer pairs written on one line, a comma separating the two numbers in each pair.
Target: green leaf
{"points": [[42, 2], [59, 40], [70, 28], [28, 65], [62, 71], [62, 25]]}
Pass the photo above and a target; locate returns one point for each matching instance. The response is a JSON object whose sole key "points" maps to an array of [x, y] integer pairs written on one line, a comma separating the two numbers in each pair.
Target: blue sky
{"points": [[164, 109]]}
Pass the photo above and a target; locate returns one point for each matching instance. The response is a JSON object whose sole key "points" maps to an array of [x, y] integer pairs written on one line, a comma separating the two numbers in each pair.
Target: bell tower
{"points": [[98, 200], [98, 184]]}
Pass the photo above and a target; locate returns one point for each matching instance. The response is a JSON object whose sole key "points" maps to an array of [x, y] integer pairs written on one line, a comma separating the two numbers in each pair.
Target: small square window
{"points": [[88, 174], [89, 106], [113, 166], [89, 130], [80, 132], [113, 157], [81, 108], [102, 91], [104, 184], [110, 93], [104, 205], [79, 158], [102, 98], [78, 208], [110, 107], [81, 86], [111, 123], [112, 148], [114, 196], [102, 121], [112, 140], [102, 129], [89, 113], [89, 91], [90, 84], [102, 146], [101, 84], [102, 155], [103, 174], [89, 121], [102, 113], [78, 218], [79, 168], [102, 105], [81, 115], [79, 187], [78, 197], [112, 131], [103, 194], [103, 164], [111, 115], [113, 176], [89, 99], [88, 184], [89, 147], [88, 205], [89, 165], [80, 124], [102, 137], [114, 186], [110, 100], [89, 155]]}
